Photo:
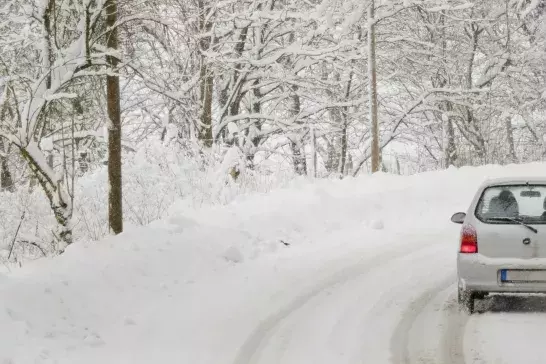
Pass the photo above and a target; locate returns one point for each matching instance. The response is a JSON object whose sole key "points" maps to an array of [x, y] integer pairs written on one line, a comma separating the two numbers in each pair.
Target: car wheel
{"points": [[466, 301]]}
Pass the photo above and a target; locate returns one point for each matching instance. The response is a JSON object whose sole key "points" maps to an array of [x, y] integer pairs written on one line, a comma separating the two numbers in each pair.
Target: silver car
{"points": [[503, 240]]}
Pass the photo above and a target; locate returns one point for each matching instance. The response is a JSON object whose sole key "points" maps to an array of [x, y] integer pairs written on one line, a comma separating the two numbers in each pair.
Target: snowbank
{"points": [[190, 288], [154, 177]]}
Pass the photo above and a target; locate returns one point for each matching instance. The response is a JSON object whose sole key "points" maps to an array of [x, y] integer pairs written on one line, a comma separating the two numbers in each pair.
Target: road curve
{"points": [[397, 306]]}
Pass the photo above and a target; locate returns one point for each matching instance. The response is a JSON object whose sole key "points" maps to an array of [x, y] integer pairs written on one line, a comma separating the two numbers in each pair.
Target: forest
{"points": [[112, 109]]}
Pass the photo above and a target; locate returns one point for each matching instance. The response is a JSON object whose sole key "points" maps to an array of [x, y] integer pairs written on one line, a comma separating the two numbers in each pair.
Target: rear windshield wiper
{"points": [[516, 220]]}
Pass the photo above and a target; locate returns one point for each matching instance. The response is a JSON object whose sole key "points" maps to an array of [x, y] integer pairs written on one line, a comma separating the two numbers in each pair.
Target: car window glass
{"points": [[522, 201]]}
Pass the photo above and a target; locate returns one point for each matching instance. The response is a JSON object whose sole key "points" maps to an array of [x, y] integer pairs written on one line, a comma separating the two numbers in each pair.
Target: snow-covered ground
{"points": [[354, 271]]}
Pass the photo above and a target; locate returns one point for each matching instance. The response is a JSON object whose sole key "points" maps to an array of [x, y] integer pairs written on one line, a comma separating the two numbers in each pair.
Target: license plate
{"points": [[520, 275]]}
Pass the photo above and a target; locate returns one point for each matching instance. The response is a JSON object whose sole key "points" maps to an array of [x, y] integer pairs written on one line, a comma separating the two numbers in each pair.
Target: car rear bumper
{"points": [[481, 274]]}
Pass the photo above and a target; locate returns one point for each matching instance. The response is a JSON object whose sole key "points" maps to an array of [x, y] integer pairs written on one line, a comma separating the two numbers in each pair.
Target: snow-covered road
{"points": [[400, 307], [397, 306], [368, 276]]}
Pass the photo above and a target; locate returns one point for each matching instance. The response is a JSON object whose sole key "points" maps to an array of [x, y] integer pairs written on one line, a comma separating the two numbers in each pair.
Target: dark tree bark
{"points": [[331, 155], [343, 170], [508, 120], [298, 155], [451, 149], [298, 159], [6, 181], [115, 202], [256, 139], [510, 139], [206, 78], [313, 153], [473, 31], [232, 95]]}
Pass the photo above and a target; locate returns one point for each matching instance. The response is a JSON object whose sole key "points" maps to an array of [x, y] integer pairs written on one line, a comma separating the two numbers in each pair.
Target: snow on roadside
{"points": [[513, 334], [191, 287]]}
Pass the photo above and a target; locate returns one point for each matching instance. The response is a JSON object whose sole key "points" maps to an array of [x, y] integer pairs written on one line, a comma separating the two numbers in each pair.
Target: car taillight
{"points": [[469, 240]]}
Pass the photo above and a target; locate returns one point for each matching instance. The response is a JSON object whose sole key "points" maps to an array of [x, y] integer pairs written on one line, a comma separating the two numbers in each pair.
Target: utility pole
{"points": [[372, 88]]}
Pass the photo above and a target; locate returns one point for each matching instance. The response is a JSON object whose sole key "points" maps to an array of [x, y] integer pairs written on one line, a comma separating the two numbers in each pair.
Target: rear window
{"points": [[499, 204]]}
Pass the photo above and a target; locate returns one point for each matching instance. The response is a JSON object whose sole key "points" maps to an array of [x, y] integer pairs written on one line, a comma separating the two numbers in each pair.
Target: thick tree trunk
{"points": [[232, 95], [508, 121], [206, 78], [115, 202], [478, 141], [439, 81], [372, 80]]}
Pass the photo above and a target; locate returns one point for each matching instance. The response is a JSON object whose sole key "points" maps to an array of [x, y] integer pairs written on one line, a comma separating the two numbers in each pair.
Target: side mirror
{"points": [[458, 218]]}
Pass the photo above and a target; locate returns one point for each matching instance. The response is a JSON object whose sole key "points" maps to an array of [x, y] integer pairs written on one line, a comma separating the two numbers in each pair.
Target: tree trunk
{"points": [[332, 156], [298, 159], [206, 78], [343, 161], [83, 162], [372, 81], [508, 121], [58, 197], [298, 156], [478, 141], [6, 181], [48, 56], [450, 150], [233, 94], [115, 202], [313, 153], [510, 138], [256, 138], [343, 169], [439, 81]]}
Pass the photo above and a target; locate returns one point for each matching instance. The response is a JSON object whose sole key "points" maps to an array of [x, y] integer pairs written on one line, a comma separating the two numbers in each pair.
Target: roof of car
{"points": [[510, 180]]}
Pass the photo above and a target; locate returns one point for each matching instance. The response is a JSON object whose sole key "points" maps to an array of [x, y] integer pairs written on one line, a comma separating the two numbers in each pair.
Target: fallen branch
{"points": [[15, 237]]}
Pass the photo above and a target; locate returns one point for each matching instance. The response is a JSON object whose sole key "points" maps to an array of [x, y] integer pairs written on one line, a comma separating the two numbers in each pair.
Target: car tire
{"points": [[466, 301]]}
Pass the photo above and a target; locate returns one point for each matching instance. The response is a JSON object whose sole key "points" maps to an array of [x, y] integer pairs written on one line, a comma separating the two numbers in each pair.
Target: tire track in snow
{"points": [[453, 342], [450, 329], [250, 351]]}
